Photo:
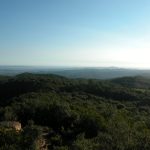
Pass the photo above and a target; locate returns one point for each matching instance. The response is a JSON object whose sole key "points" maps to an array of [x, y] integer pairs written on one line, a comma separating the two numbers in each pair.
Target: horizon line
{"points": [[77, 66]]}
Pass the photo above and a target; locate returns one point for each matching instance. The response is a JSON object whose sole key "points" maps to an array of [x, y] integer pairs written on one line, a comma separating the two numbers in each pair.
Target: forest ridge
{"points": [[75, 114]]}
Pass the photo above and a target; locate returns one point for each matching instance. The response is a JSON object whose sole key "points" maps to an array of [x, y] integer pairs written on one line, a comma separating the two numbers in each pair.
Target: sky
{"points": [[91, 33]]}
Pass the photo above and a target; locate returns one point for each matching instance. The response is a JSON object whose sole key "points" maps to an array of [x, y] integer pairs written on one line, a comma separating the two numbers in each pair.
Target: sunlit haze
{"points": [[90, 33]]}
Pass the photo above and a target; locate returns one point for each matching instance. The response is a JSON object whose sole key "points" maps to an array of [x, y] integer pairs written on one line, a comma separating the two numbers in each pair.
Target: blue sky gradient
{"points": [[75, 33]]}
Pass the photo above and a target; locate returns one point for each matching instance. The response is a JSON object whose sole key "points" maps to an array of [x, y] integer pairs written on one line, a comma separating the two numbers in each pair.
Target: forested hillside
{"points": [[58, 113]]}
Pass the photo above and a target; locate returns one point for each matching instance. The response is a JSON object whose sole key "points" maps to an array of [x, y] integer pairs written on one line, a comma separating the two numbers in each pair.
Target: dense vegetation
{"points": [[75, 114]]}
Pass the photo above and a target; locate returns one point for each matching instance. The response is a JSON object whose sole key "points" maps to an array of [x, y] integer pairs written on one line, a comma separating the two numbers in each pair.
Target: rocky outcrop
{"points": [[11, 124]]}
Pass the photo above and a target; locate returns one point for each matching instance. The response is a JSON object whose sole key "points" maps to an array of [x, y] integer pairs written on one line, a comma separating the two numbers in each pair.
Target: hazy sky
{"points": [[75, 32]]}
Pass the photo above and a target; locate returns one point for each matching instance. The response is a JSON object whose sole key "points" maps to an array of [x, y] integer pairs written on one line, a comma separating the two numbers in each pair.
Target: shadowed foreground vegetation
{"points": [[57, 113]]}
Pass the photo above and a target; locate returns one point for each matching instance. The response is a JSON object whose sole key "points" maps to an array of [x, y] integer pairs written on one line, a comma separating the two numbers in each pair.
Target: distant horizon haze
{"points": [[71, 67]]}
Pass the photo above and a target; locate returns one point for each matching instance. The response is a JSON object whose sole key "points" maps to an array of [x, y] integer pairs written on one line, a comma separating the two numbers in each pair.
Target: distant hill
{"points": [[102, 73], [112, 89], [88, 72]]}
